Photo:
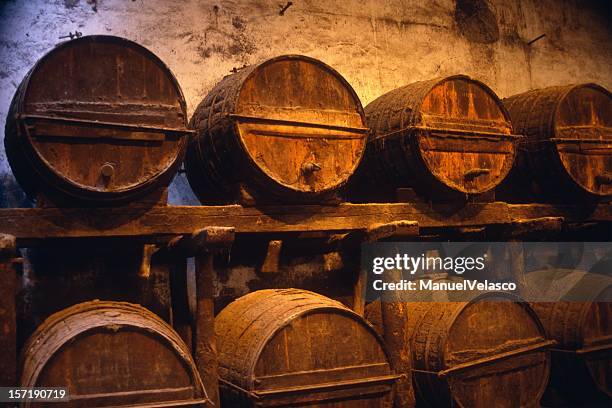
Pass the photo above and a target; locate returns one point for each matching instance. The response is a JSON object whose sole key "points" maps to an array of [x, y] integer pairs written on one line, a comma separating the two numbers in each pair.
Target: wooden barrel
{"points": [[111, 354], [473, 354], [441, 137], [290, 128], [292, 347], [582, 359], [568, 146], [97, 119]]}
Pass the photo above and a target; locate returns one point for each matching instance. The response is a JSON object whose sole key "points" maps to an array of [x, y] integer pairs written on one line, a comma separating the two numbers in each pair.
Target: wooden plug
{"points": [[272, 260]]}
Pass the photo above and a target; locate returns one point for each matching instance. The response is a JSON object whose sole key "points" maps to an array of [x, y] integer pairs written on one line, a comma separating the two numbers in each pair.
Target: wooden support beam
{"points": [[8, 322], [204, 343], [350, 244], [394, 317], [272, 260], [397, 230], [31, 225], [529, 229], [395, 314], [182, 317], [205, 243]]}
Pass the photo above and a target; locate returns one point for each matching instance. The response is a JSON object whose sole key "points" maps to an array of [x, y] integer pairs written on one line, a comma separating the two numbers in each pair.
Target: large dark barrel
{"points": [[297, 348], [568, 146], [111, 354], [447, 136], [477, 353], [290, 128], [581, 324], [97, 119]]}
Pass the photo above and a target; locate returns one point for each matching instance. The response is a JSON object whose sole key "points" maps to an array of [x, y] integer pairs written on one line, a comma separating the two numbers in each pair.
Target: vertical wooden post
{"points": [[359, 291], [8, 322], [207, 242], [394, 317], [512, 265], [205, 347], [182, 318], [394, 314]]}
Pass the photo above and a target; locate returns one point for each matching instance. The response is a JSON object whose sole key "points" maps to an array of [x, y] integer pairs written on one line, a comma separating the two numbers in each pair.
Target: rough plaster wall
{"points": [[377, 45]]}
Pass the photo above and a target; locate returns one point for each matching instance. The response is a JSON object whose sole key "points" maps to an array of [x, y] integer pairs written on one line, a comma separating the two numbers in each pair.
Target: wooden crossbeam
{"points": [[159, 223]]}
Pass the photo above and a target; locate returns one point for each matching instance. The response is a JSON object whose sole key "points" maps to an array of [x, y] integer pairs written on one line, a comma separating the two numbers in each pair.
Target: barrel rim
{"points": [[77, 190], [338, 307], [169, 337], [360, 110]]}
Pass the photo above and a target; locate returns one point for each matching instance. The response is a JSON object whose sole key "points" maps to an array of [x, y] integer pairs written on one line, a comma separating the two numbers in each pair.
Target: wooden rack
{"points": [[32, 226], [200, 231]]}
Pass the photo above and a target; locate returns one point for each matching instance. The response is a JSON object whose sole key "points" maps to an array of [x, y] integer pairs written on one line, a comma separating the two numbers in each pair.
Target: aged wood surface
{"points": [[85, 347], [8, 322], [442, 136], [350, 245], [272, 259], [290, 347], [394, 318], [206, 243], [582, 359], [472, 354], [98, 118], [568, 145], [289, 127], [31, 225]]}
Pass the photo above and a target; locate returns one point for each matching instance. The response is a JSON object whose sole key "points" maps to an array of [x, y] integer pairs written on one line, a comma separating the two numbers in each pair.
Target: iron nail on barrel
{"points": [[289, 129], [442, 137], [98, 119]]}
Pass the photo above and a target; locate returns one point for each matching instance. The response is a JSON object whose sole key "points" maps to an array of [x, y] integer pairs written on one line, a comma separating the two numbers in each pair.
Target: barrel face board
{"points": [[87, 361], [583, 128], [100, 117], [111, 354], [291, 347], [303, 127], [474, 161], [478, 333], [316, 336]]}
